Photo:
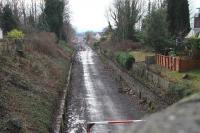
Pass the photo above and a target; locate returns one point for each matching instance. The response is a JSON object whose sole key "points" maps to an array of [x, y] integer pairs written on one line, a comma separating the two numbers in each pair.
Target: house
{"points": [[1, 33], [98, 36], [197, 19], [196, 30]]}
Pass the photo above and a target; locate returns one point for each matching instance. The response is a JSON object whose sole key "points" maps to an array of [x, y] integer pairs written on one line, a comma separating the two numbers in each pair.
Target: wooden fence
{"points": [[6, 47], [9, 47], [177, 63]]}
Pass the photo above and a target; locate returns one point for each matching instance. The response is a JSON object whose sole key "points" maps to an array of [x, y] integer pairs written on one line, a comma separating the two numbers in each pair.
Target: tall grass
{"points": [[44, 42]]}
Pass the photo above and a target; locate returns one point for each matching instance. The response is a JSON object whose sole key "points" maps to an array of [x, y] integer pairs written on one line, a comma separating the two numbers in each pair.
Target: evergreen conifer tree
{"points": [[178, 17], [54, 15], [8, 19]]}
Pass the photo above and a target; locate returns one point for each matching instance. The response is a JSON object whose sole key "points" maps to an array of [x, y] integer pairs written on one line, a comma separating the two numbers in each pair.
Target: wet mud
{"points": [[95, 96]]}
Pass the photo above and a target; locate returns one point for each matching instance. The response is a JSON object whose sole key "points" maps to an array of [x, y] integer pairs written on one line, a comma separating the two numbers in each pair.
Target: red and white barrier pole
{"points": [[91, 124]]}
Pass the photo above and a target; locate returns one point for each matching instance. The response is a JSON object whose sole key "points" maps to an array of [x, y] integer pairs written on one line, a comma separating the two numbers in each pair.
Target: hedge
{"points": [[193, 42], [96, 44], [126, 60]]}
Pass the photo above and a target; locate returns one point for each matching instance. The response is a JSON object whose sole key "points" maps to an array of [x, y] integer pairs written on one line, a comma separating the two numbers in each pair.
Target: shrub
{"points": [[103, 39], [172, 53], [96, 44], [193, 42], [125, 59], [126, 45], [66, 47], [44, 42], [181, 89], [15, 34]]}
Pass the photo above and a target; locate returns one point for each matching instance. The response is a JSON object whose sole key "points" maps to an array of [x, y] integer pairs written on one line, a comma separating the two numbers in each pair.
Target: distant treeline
{"points": [[157, 24], [37, 15]]}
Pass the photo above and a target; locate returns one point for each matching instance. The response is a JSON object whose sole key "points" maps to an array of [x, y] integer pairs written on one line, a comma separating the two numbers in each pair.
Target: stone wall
{"points": [[141, 72], [138, 88], [160, 86], [149, 86], [183, 117]]}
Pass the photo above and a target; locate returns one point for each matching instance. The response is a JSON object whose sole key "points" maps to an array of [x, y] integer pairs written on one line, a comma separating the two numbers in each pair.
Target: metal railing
{"points": [[91, 124]]}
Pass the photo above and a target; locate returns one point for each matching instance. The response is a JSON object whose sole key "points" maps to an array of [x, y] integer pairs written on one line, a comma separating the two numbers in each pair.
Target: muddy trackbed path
{"points": [[94, 96]]}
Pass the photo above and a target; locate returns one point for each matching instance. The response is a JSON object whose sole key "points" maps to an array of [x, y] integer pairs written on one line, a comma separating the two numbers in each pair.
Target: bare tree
{"points": [[66, 14], [31, 15], [23, 12], [125, 14], [68, 30]]}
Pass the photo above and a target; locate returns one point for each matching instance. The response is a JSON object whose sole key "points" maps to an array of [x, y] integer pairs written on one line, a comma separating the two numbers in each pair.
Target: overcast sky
{"points": [[90, 14]]}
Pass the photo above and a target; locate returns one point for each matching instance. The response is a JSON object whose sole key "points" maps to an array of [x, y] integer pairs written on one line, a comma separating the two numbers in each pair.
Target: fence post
{"points": [[163, 60], [167, 62], [177, 64], [174, 64], [170, 63]]}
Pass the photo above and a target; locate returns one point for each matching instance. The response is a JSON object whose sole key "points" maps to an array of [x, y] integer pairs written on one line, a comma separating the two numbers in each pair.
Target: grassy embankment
{"points": [[141, 55], [181, 87], [30, 86], [193, 79], [192, 82]]}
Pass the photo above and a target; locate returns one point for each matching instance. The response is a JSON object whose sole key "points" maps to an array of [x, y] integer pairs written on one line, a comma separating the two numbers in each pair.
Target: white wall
{"points": [[1, 34]]}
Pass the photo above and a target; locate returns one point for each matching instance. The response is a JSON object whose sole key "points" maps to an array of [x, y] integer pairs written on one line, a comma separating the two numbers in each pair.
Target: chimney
{"points": [[197, 19]]}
